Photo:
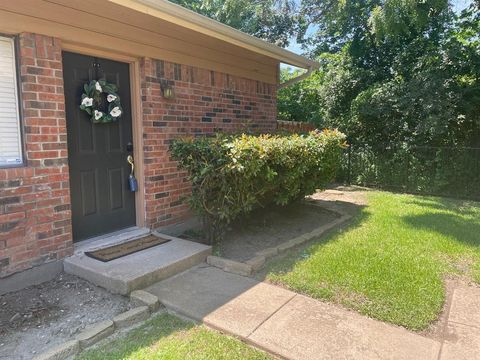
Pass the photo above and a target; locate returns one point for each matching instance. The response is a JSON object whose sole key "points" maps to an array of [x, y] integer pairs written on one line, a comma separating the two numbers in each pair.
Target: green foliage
{"points": [[272, 20], [446, 171], [325, 97], [395, 75], [299, 102], [232, 175], [397, 71], [399, 19]]}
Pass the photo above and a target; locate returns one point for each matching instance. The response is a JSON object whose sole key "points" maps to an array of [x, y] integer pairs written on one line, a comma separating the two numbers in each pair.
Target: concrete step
{"points": [[137, 270]]}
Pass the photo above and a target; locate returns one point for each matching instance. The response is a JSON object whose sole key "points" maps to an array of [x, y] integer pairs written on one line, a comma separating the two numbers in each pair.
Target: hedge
{"points": [[232, 175]]}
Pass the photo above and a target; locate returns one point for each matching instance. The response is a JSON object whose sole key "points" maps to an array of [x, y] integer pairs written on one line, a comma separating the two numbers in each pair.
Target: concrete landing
{"points": [[137, 270], [285, 323]]}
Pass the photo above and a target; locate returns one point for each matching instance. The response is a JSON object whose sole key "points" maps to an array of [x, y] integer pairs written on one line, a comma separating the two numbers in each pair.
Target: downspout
{"points": [[296, 79]]}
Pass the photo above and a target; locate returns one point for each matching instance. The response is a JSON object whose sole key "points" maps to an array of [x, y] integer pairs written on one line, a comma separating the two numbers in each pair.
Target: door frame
{"points": [[137, 125]]}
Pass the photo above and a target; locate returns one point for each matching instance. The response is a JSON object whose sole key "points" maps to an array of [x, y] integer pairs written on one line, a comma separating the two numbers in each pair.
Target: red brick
{"points": [[196, 98], [44, 118]]}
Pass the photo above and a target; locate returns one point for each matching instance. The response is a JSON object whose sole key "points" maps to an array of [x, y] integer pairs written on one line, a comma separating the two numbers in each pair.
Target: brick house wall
{"points": [[35, 211], [35, 224], [205, 102]]}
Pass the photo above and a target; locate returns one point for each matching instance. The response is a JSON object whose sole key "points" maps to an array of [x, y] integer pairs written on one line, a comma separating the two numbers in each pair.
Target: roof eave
{"points": [[168, 11]]}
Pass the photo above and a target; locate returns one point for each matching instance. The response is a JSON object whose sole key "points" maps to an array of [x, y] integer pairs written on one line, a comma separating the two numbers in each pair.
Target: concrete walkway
{"points": [[293, 326]]}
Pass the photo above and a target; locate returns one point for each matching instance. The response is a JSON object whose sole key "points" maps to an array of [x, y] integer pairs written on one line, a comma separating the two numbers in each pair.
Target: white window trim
{"points": [[21, 148]]}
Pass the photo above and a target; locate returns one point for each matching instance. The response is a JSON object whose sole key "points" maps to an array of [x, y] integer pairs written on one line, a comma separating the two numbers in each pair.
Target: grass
{"points": [[391, 262], [167, 337]]}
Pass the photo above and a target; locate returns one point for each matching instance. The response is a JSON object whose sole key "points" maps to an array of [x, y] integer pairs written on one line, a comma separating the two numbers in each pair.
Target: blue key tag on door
{"points": [[132, 181]]}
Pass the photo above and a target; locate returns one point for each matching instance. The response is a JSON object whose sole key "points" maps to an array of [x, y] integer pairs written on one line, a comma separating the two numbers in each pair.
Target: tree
{"points": [[393, 71], [300, 101], [272, 20]]}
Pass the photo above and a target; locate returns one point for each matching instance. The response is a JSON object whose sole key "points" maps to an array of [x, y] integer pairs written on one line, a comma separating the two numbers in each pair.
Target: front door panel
{"points": [[97, 153]]}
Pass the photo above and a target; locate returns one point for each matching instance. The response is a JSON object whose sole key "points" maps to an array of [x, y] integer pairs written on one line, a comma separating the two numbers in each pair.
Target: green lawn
{"points": [[391, 262], [167, 337]]}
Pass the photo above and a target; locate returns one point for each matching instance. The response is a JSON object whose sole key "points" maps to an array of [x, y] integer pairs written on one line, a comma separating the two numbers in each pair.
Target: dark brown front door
{"points": [[97, 153]]}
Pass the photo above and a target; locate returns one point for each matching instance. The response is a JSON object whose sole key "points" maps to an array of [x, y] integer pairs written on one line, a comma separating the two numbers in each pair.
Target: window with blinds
{"points": [[10, 135]]}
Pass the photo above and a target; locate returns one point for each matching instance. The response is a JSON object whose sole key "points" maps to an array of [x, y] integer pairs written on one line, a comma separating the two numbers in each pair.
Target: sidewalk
{"points": [[293, 326]]}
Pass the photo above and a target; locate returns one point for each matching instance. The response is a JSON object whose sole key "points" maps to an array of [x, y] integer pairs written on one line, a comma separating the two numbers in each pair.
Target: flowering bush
{"points": [[232, 175]]}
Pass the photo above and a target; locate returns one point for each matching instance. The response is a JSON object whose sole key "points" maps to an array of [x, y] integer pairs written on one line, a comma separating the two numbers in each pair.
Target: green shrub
{"points": [[232, 175]]}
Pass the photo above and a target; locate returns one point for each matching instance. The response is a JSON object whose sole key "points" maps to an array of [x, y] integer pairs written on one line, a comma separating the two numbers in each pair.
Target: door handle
{"points": [[132, 164]]}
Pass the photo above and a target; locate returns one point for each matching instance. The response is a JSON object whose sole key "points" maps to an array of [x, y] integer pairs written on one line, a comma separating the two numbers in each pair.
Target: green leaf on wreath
{"points": [[91, 91]]}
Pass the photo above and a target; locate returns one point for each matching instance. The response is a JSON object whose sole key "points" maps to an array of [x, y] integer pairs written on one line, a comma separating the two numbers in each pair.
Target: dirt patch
{"points": [[347, 199], [270, 227], [36, 318], [266, 228]]}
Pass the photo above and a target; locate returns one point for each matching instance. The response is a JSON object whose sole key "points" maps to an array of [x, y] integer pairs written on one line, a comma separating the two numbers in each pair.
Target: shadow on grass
{"points": [[462, 230], [445, 204], [142, 337]]}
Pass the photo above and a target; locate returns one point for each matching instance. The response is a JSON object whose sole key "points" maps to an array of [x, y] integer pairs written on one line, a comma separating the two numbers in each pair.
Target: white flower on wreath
{"points": [[111, 98], [98, 114], [98, 87], [87, 102], [116, 112]]}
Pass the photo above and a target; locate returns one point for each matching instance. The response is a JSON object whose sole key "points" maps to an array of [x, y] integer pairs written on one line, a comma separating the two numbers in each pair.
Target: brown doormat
{"points": [[129, 247]]}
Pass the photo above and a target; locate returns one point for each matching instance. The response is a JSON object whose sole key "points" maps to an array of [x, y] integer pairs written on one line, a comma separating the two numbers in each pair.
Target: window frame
{"points": [[21, 128]]}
